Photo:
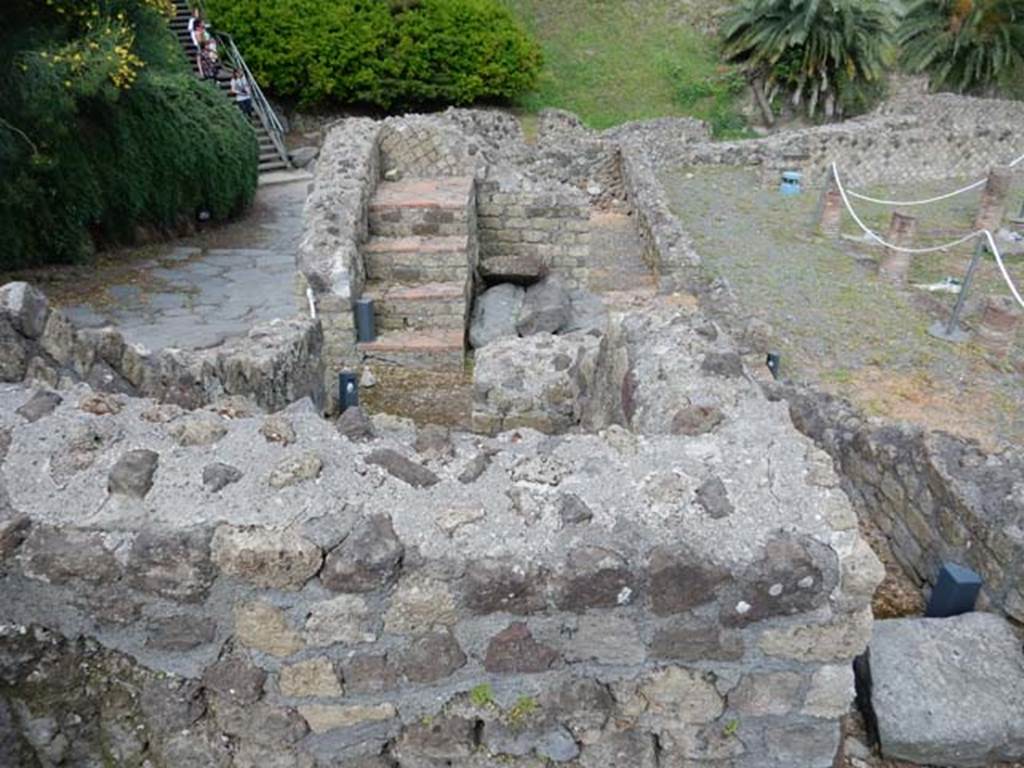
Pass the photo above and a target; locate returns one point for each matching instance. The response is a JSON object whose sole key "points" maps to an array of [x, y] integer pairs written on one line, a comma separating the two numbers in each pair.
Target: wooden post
{"points": [[830, 219], [895, 265], [993, 199], [1001, 319]]}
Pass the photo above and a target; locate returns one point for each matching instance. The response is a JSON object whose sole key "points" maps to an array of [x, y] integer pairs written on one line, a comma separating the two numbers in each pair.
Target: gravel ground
{"points": [[835, 323]]}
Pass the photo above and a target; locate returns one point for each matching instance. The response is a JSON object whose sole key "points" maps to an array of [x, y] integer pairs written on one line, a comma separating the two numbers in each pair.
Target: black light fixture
{"points": [[955, 592], [366, 327], [348, 390], [774, 362]]}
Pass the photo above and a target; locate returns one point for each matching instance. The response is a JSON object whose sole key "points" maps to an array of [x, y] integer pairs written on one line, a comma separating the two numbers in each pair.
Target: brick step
{"points": [[422, 207], [438, 349], [421, 307], [611, 280], [413, 260]]}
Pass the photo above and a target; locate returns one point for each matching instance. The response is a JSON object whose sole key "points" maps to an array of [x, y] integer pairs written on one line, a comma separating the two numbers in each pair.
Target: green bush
{"points": [[84, 162], [387, 54]]}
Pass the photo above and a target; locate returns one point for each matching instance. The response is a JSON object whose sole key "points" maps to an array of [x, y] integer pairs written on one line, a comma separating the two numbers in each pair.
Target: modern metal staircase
{"points": [[268, 126]]}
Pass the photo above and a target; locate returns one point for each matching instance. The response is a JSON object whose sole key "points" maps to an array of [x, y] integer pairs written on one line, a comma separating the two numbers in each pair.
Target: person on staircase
{"points": [[195, 18], [240, 89], [209, 62]]}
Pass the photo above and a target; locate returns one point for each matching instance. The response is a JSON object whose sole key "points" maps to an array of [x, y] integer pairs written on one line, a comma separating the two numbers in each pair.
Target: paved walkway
{"points": [[197, 291]]}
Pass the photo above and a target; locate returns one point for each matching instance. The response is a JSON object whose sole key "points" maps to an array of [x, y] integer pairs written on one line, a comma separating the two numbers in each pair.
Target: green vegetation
{"points": [[388, 54], [620, 60], [522, 710], [828, 57], [482, 695], [965, 45], [105, 130]]}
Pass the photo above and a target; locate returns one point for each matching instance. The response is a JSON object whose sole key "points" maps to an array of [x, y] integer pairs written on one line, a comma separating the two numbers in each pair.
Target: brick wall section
{"points": [[527, 228]]}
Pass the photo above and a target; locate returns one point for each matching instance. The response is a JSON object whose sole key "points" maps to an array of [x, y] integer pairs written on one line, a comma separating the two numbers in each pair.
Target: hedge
{"points": [[385, 54], [84, 165]]}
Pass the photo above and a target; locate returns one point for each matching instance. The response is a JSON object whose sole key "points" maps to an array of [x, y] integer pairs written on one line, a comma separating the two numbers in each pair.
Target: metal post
{"points": [[952, 331]]}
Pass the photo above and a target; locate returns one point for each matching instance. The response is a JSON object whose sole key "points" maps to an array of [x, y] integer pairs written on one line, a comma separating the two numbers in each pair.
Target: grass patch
{"points": [[620, 60]]}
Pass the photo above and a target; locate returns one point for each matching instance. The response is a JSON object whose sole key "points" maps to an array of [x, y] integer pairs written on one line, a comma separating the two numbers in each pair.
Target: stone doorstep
{"points": [[416, 342], [454, 193], [429, 305], [417, 245], [424, 292]]}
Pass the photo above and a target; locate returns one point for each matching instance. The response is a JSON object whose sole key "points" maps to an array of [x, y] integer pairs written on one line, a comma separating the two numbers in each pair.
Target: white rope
{"points": [[312, 303], [929, 200], [877, 238], [1002, 268]]}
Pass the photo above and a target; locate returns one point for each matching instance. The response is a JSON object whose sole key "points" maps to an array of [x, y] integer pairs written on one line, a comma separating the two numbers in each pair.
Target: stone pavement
{"points": [[198, 291]]}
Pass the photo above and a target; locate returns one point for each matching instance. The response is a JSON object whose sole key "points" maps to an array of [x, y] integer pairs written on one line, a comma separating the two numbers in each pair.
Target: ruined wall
{"points": [[912, 139], [275, 364], [335, 213], [937, 498], [290, 597]]}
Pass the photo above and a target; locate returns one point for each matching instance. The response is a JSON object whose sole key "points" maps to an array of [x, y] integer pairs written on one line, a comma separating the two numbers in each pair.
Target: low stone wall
{"points": [[274, 593], [914, 139], [328, 258], [669, 249], [937, 498], [275, 364]]}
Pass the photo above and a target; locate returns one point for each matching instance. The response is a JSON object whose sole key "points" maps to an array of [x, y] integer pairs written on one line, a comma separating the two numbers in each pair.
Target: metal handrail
{"points": [[268, 117], [265, 112]]}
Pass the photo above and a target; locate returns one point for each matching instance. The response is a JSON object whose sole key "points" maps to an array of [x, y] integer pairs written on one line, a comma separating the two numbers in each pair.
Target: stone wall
{"points": [[912, 139], [275, 364], [272, 593], [328, 258], [937, 498]]}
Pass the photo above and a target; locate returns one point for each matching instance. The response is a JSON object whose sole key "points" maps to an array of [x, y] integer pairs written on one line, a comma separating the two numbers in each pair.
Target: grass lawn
{"points": [[617, 60]]}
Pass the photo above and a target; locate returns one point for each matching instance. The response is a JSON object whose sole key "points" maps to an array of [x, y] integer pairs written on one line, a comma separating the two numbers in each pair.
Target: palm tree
{"points": [[823, 53], [966, 45]]}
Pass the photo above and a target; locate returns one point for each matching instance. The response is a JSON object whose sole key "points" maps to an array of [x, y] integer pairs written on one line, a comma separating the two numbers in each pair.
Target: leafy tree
{"points": [[99, 119], [825, 54], [966, 45]]}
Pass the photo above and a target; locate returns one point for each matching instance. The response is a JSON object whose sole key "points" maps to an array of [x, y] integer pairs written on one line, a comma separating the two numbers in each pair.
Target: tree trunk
{"points": [[757, 86]]}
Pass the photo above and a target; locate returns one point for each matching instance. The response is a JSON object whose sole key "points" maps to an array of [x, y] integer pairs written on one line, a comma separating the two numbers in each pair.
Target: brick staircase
{"points": [[271, 157], [420, 264]]}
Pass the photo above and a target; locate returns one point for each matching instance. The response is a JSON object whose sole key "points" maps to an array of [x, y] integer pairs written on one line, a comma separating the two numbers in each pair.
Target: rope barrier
{"points": [[312, 303], [930, 200], [1002, 268], [966, 238], [879, 239]]}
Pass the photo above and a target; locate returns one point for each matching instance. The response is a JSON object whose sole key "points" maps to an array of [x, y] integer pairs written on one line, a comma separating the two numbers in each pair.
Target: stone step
{"points": [[422, 207], [413, 260], [426, 306], [437, 349]]}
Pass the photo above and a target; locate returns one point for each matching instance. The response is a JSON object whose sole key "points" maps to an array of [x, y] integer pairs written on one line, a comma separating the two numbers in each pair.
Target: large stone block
{"points": [[948, 691], [25, 307], [368, 559], [172, 563], [266, 558], [58, 556]]}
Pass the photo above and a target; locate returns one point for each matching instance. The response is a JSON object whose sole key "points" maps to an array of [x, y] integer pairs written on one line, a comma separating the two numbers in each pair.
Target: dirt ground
{"points": [[840, 327]]}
